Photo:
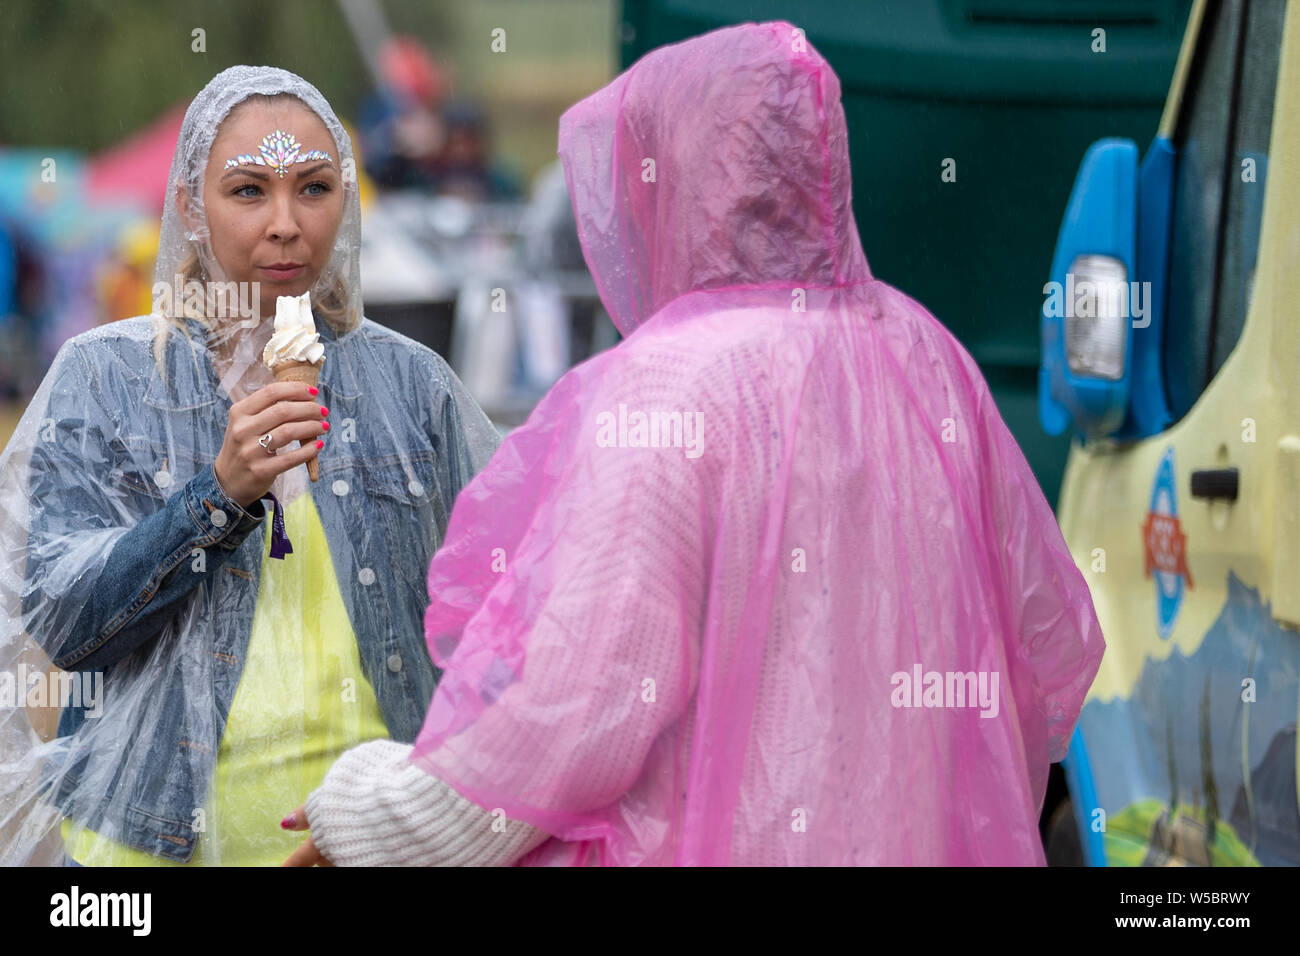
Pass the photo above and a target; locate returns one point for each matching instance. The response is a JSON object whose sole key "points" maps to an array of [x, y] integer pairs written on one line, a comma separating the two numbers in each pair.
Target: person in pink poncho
{"points": [[770, 582]]}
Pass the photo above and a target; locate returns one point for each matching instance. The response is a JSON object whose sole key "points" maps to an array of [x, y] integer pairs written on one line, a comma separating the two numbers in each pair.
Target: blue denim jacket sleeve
{"points": [[108, 565], [471, 438]]}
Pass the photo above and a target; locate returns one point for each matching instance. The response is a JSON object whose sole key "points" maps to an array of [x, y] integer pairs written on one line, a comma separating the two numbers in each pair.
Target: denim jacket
{"points": [[124, 499]]}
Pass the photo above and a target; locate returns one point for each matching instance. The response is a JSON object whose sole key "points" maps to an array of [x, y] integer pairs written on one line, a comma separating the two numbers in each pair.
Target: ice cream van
{"points": [[1171, 346]]}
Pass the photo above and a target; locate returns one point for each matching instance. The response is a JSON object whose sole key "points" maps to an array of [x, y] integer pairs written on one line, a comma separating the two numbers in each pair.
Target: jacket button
{"points": [[394, 662], [366, 576], [340, 487], [163, 479], [218, 517], [415, 488]]}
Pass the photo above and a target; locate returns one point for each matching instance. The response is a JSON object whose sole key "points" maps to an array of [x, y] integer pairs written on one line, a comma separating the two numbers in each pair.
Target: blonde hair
{"points": [[332, 307]]}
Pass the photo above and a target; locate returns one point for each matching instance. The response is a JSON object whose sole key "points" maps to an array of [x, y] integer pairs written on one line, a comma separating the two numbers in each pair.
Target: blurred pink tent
{"points": [[135, 170]]}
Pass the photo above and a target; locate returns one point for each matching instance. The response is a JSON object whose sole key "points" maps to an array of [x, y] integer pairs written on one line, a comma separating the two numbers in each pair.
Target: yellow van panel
{"points": [[1248, 418]]}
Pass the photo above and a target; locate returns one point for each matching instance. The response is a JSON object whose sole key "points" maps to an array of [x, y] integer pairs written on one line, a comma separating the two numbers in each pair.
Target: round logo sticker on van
{"points": [[1165, 546]]}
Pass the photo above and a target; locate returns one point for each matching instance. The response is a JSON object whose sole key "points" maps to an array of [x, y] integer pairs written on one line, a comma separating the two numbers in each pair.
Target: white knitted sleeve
{"points": [[374, 808]]}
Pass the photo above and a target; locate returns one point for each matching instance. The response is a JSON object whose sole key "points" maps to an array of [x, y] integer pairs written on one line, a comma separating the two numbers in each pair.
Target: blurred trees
{"points": [[86, 73]]}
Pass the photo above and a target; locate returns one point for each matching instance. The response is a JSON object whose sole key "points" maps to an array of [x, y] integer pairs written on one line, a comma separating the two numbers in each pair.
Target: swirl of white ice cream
{"points": [[295, 338]]}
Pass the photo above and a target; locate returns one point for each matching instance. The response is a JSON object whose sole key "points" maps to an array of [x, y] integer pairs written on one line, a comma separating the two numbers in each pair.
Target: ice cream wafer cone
{"points": [[294, 352], [308, 372]]}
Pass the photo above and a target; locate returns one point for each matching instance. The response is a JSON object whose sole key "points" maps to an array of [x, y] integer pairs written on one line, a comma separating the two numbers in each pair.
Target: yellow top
{"points": [[302, 700]]}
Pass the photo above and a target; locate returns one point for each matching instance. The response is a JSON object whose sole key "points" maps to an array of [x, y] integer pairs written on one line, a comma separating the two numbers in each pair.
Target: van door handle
{"points": [[1215, 483]]}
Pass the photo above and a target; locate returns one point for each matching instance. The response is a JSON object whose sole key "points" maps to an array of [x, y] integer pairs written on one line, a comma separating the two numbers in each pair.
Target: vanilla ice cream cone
{"points": [[294, 353], [308, 372]]}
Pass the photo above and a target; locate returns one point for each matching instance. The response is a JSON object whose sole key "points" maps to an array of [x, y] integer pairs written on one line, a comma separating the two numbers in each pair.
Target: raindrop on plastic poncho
{"points": [[177, 669], [770, 582]]}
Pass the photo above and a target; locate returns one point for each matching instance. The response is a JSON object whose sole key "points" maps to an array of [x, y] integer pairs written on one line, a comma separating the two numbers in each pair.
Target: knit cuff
{"points": [[375, 808]]}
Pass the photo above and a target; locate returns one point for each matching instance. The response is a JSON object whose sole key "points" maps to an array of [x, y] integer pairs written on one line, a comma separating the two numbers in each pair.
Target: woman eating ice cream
{"points": [[235, 623]]}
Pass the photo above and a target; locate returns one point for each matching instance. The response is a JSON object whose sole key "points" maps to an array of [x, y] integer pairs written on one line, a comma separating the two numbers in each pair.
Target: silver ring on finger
{"points": [[265, 442]]}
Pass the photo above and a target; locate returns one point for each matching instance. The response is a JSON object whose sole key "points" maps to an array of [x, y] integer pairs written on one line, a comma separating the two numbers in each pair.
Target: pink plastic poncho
{"points": [[770, 582]]}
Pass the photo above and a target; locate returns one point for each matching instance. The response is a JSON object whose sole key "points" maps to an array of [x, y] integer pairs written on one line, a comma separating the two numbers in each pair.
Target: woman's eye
{"points": [[239, 190]]}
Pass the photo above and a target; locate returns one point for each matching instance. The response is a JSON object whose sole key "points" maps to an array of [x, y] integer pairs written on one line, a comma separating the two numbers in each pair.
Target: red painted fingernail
{"points": [[320, 444], [325, 425], [288, 822], [314, 390], [324, 411]]}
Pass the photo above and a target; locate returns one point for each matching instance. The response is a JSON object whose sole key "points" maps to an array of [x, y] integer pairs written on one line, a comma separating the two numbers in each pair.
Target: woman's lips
{"points": [[281, 275]]}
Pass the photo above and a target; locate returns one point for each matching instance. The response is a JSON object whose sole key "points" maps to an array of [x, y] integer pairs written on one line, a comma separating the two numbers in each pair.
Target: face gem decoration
{"points": [[278, 151]]}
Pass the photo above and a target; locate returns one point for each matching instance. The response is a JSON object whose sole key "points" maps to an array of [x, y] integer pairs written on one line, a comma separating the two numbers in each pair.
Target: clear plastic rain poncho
{"points": [[770, 582], [214, 660]]}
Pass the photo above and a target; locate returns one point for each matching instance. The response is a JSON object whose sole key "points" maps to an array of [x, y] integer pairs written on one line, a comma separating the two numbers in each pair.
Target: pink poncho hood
{"points": [[770, 582]]}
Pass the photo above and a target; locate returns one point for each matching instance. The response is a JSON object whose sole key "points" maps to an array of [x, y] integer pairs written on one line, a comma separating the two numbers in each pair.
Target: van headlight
{"points": [[1096, 318]]}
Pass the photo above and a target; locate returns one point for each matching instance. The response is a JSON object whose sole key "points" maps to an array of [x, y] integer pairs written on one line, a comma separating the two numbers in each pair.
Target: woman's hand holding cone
{"points": [[288, 411]]}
